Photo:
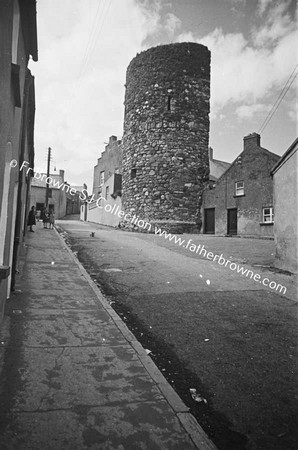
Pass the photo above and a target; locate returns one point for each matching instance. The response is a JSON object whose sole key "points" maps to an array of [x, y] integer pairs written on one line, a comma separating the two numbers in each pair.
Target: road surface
{"points": [[208, 327]]}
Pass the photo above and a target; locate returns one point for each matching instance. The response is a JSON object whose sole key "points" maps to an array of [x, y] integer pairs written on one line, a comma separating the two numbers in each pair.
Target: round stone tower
{"points": [[166, 135]]}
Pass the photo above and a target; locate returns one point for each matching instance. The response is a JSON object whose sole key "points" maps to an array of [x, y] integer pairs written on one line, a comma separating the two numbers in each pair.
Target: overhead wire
{"points": [[278, 101], [90, 39], [104, 15], [94, 35]]}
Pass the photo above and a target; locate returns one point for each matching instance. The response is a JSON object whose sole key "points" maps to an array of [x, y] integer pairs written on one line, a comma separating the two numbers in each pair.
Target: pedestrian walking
{"points": [[31, 219], [52, 219], [45, 217]]}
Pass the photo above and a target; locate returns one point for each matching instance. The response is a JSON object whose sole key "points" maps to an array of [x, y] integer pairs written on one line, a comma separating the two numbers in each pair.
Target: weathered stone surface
{"points": [[166, 133]]}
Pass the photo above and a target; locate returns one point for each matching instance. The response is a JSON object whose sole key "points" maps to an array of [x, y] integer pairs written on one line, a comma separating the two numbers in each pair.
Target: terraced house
{"points": [[18, 42], [241, 200]]}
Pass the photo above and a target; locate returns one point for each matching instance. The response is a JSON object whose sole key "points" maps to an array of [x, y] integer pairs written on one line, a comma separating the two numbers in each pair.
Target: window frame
{"points": [[270, 215], [101, 177], [237, 189]]}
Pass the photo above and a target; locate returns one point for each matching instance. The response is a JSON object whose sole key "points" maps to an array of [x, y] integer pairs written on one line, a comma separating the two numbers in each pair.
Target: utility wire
{"points": [[98, 31], [95, 32], [91, 37], [278, 100]]}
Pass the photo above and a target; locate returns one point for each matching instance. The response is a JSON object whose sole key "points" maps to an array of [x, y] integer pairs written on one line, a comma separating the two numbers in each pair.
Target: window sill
{"points": [[240, 195], [266, 223]]}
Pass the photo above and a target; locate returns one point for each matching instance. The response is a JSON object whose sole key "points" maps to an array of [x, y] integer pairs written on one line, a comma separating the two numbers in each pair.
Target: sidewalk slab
{"points": [[72, 376]]}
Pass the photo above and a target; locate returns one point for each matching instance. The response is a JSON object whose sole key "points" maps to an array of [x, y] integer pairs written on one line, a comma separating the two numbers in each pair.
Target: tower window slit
{"points": [[169, 102]]}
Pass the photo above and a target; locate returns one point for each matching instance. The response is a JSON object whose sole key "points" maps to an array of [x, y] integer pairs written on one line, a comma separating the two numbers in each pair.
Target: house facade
{"points": [[284, 175], [101, 209], [56, 195], [18, 41], [108, 164], [241, 201], [107, 186], [74, 200]]}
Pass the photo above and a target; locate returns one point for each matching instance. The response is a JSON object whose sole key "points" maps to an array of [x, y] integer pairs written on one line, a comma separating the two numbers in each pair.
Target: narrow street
{"points": [[208, 328]]}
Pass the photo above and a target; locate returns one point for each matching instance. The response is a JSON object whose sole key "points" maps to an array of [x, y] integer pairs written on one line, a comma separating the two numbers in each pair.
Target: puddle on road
{"points": [[112, 269]]}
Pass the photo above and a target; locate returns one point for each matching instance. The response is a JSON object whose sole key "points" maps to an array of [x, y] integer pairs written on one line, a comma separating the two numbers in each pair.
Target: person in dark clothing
{"points": [[31, 219]]}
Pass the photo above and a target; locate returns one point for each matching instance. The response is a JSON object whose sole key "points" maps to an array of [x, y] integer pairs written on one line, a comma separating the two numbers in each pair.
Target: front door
{"points": [[232, 221], [209, 222]]}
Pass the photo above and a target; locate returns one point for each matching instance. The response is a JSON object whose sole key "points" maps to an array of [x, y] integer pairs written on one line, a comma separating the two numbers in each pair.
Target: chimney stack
{"points": [[253, 140], [112, 139]]}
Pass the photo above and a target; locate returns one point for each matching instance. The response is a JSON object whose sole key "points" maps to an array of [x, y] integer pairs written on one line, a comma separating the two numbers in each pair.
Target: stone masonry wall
{"points": [[166, 133]]}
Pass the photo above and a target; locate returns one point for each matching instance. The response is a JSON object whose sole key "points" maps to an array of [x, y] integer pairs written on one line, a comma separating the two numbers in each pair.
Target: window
{"points": [[101, 178], [239, 188], [107, 192], [133, 173], [268, 215]]}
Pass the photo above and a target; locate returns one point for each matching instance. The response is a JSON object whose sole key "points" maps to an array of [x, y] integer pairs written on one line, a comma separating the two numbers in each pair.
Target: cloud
{"points": [[83, 55], [172, 24], [249, 111], [236, 7], [242, 71], [262, 6], [278, 24], [163, 25]]}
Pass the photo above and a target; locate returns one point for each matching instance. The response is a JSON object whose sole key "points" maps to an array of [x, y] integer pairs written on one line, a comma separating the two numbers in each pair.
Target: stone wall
{"points": [[166, 133]]}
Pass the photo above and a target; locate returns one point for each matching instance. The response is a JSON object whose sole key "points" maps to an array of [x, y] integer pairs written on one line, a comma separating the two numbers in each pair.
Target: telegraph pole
{"points": [[48, 174]]}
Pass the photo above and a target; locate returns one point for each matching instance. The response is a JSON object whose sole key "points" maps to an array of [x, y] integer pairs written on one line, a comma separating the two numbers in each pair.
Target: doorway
{"points": [[232, 221], [209, 221]]}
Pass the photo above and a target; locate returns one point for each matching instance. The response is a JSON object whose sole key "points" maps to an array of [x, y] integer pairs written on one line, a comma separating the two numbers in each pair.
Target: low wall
{"points": [[105, 214]]}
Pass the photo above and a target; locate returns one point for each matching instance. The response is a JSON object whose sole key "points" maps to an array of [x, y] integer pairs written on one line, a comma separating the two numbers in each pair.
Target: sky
{"points": [[85, 46]]}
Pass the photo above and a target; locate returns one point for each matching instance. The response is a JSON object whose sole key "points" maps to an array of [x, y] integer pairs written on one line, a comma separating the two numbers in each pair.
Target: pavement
{"points": [[208, 327], [72, 376]]}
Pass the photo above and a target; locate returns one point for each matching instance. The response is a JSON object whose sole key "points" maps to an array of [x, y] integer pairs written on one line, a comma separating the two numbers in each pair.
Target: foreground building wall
{"points": [[166, 133], [17, 108], [285, 208]]}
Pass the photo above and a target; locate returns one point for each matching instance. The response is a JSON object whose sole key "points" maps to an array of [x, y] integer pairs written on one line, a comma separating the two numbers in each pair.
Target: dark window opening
{"points": [[15, 82], [133, 173]]}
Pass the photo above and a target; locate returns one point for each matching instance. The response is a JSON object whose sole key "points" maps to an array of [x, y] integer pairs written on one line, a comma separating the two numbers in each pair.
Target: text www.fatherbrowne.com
{"points": [[202, 251], [189, 245]]}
